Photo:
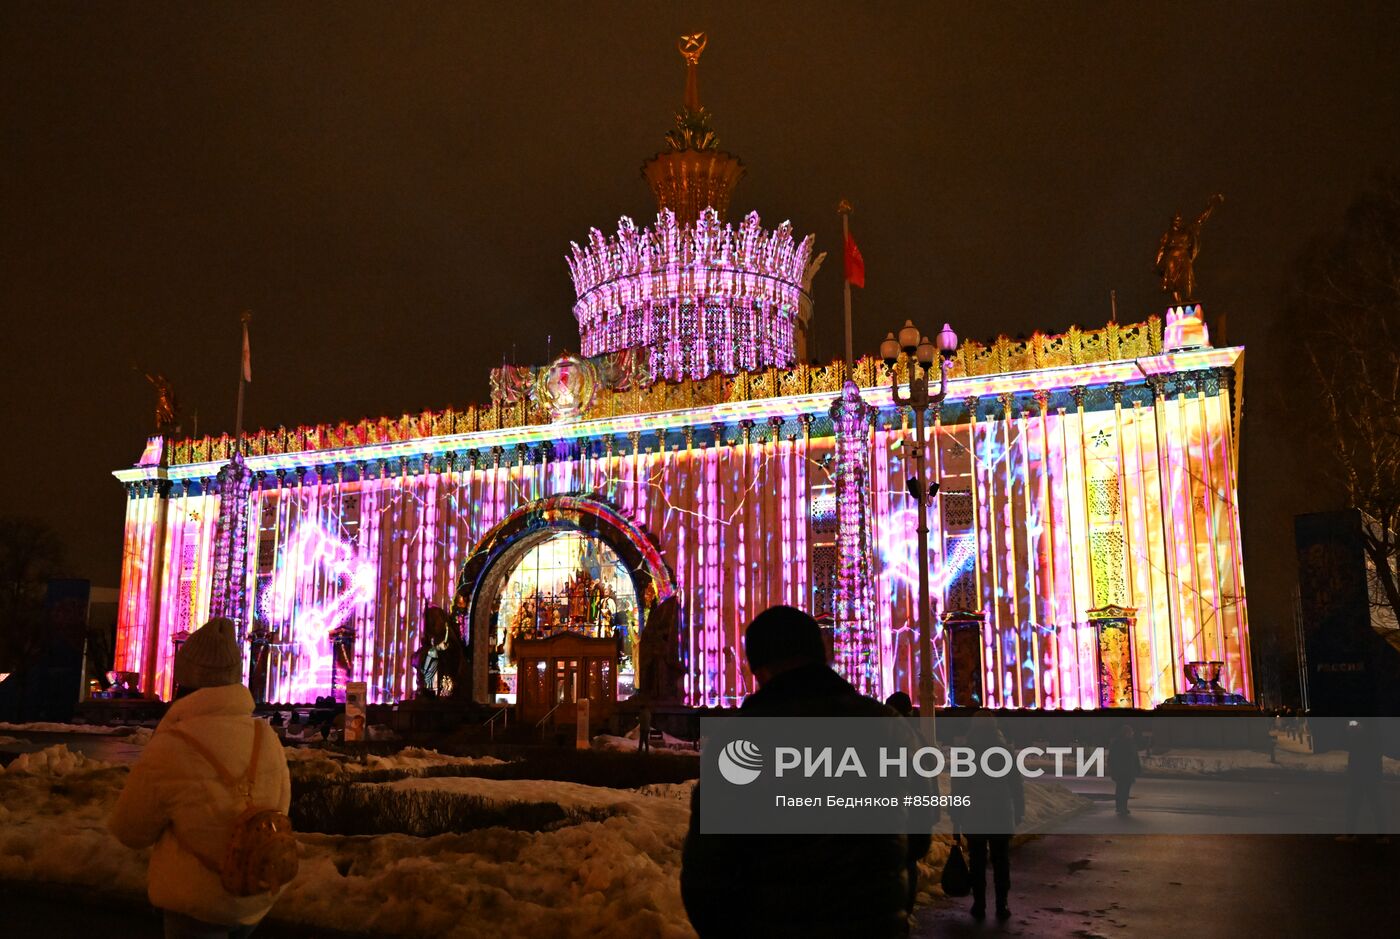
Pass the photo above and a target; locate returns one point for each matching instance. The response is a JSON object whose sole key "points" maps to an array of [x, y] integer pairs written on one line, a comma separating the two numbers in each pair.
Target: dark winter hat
{"points": [[210, 657], [901, 703], [783, 634]]}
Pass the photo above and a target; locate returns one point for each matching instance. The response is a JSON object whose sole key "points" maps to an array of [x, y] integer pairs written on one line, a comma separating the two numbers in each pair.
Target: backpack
{"points": [[262, 853]]}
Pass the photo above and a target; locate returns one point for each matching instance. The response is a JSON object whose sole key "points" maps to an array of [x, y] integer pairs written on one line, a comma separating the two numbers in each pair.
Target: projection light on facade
{"points": [[318, 583]]}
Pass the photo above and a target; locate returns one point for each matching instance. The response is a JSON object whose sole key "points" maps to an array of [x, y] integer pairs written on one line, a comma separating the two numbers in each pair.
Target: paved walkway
{"points": [[55, 910], [1231, 887]]}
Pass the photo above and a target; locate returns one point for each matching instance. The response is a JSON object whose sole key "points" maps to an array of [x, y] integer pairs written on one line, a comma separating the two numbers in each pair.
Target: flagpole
{"points": [[844, 208], [244, 318], [229, 594]]}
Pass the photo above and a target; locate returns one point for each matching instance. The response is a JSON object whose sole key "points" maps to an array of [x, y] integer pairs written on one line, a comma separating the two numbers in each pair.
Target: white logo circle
{"points": [[740, 762]]}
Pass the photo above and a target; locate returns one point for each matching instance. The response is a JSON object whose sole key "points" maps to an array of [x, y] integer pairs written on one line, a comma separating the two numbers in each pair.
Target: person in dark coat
{"points": [[1124, 766], [1364, 773], [903, 705], [796, 885], [996, 805]]}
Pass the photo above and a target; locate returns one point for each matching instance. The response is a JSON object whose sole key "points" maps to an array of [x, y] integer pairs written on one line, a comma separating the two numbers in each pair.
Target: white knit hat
{"points": [[210, 657]]}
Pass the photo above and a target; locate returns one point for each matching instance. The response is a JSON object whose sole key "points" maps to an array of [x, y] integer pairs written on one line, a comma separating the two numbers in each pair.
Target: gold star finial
{"points": [[690, 45]]}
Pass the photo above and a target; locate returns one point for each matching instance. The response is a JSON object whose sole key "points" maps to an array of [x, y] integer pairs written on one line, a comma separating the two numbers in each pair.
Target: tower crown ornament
{"points": [[691, 299], [693, 174], [692, 295]]}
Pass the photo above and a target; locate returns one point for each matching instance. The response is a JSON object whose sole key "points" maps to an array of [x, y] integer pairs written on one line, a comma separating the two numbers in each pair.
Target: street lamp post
{"points": [[919, 355]]}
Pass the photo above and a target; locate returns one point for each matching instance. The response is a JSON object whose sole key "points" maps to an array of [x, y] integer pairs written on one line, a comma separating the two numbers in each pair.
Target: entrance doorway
{"points": [[563, 566], [558, 582]]}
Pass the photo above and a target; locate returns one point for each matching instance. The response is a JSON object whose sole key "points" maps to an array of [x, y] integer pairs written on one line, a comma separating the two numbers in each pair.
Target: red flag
{"points": [[855, 264]]}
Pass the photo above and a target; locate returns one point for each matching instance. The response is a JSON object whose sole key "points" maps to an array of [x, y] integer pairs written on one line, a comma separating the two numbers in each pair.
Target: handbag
{"points": [[956, 880]]}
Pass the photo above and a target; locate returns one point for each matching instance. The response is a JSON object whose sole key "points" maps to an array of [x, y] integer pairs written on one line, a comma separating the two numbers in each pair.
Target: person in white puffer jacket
{"points": [[176, 801]]}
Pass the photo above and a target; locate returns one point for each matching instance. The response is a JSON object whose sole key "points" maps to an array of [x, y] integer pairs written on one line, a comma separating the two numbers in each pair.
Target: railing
{"points": [[548, 714], [490, 722]]}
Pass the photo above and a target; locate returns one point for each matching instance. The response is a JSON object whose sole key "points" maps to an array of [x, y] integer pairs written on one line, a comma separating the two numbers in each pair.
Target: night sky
{"points": [[392, 189]]}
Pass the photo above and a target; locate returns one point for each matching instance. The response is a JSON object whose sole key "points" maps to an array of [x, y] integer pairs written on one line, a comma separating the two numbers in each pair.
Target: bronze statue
{"points": [[660, 675], [1176, 255], [167, 408], [441, 659]]}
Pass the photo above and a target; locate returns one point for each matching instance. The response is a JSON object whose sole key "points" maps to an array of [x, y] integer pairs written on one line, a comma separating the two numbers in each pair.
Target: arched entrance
{"points": [[565, 564]]}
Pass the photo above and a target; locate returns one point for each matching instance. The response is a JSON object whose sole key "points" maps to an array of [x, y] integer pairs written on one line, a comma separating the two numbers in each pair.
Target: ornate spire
{"points": [[694, 174], [692, 130], [690, 46]]}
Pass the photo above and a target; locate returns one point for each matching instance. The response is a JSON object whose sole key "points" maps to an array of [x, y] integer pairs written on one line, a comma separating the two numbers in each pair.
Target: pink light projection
{"points": [[899, 557], [310, 552], [699, 298]]}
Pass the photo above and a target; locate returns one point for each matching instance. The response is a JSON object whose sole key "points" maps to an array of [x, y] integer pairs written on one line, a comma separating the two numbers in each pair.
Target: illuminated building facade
{"points": [[688, 452]]}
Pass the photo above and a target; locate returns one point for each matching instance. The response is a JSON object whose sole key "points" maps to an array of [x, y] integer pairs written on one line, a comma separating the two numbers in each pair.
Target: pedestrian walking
{"points": [[1124, 767], [903, 705], [994, 807], [210, 793], [1364, 776]]}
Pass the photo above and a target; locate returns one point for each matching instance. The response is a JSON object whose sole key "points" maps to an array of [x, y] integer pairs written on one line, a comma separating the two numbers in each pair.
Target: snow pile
{"points": [[53, 809], [4, 740], [418, 759], [618, 877], [614, 878], [313, 763], [507, 791], [48, 727], [56, 760]]}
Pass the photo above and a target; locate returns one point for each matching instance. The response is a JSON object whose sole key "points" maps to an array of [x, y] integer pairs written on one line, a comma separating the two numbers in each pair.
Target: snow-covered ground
{"points": [[614, 878], [1193, 762], [49, 727], [315, 763]]}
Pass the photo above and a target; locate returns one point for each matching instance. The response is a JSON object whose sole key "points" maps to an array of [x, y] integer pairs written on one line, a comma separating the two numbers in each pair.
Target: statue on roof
{"points": [[167, 409], [1176, 254]]}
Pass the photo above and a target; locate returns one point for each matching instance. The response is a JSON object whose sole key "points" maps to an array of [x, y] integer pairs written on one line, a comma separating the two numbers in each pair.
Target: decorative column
{"points": [[1114, 625], [230, 580], [856, 647], [962, 637]]}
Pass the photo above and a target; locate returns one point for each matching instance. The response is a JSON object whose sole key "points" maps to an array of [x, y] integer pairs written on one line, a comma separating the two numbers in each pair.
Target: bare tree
{"points": [[1345, 307], [30, 553]]}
